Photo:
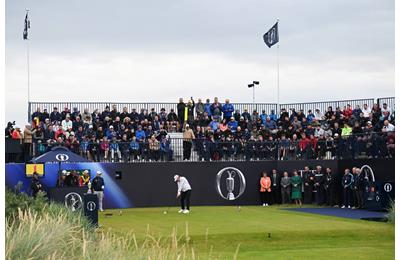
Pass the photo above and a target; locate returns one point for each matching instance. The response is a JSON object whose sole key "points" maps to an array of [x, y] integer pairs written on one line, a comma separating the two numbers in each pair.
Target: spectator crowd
{"points": [[214, 131], [320, 186]]}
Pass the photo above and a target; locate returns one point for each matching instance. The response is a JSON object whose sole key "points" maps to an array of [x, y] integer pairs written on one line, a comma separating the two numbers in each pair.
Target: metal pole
{"points": [[28, 72], [277, 50]]}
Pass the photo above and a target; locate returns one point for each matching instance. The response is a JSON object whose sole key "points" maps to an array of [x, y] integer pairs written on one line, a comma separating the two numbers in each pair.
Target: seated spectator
{"points": [[115, 149], [232, 125], [387, 127], [66, 123], [366, 111], [105, 147]]}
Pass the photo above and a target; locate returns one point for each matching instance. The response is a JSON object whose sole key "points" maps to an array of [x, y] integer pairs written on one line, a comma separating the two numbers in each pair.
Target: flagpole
{"points": [[277, 51], [28, 72]]}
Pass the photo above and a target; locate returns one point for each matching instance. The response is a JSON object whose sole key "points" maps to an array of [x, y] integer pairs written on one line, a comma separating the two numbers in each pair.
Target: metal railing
{"points": [[390, 101], [323, 106], [366, 145], [91, 106]]}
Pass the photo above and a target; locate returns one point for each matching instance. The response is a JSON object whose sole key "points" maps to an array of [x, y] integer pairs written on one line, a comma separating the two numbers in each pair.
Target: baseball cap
{"points": [[98, 172], [176, 176]]}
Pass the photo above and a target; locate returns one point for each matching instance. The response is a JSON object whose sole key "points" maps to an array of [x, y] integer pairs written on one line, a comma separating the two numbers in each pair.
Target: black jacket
{"points": [[97, 183]]}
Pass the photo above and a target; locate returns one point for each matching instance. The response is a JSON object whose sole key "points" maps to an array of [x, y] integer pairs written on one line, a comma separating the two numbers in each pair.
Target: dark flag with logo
{"points": [[26, 26], [272, 36]]}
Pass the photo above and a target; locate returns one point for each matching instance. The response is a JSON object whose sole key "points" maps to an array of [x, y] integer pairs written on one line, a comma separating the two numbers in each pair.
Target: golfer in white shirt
{"points": [[184, 191]]}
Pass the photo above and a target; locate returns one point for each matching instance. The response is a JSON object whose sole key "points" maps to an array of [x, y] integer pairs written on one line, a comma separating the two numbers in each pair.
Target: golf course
{"points": [[255, 232]]}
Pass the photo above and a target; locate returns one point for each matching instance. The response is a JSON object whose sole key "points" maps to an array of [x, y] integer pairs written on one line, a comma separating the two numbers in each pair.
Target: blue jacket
{"points": [[114, 146], [233, 126], [348, 180], [207, 108], [263, 118], [310, 117], [228, 109], [214, 125], [134, 145], [271, 125], [273, 117], [140, 134]]}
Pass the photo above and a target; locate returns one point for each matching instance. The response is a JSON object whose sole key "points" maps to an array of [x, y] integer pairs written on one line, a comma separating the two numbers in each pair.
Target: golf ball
{"points": [[165, 212]]}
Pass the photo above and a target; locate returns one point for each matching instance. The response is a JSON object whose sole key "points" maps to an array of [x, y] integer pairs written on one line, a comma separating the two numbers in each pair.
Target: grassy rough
{"points": [[36, 229]]}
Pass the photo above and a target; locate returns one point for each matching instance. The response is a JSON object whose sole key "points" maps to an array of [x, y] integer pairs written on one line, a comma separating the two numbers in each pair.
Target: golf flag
{"points": [[26, 26], [272, 36]]}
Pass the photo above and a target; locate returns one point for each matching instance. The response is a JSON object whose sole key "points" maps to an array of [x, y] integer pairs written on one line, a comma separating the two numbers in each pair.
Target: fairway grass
{"points": [[259, 232]]}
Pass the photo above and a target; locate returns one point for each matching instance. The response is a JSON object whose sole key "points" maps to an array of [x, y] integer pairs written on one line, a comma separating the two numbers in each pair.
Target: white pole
{"points": [[277, 50], [28, 72]]}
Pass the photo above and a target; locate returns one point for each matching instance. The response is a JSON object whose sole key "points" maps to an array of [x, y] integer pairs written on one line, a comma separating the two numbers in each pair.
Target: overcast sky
{"points": [[154, 50]]}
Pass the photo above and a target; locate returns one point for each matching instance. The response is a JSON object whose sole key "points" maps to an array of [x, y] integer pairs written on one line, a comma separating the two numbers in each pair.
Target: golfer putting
{"points": [[184, 191]]}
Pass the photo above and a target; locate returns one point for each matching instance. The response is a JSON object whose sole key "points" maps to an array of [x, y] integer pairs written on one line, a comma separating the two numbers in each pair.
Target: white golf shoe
{"points": [[181, 211], [185, 211]]}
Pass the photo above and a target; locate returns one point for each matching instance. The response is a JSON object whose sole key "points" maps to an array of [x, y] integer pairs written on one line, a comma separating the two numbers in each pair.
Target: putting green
{"points": [[262, 232]]}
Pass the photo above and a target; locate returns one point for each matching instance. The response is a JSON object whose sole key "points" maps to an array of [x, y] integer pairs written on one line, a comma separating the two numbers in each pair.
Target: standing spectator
{"points": [[275, 188], [199, 107], [296, 187], [347, 183], [359, 187], [188, 136], [329, 184], [189, 111], [308, 179], [181, 111], [319, 185], [207, 107], [154, 147], [227, 109], [28, 135], [105, 147], [216, 108], [36, 186], [97, 186], [285, 188], [265, 188], [273, 116]]}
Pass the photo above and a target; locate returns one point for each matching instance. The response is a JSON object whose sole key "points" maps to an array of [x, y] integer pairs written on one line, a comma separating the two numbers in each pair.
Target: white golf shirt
{"points": [[183, 184]]}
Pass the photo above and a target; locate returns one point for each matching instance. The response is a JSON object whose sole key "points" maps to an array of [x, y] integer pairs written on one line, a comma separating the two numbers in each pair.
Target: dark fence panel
{"points": [[149, 185]]}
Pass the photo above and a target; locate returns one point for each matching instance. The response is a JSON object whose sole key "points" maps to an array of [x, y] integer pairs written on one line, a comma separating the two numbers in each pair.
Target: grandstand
{"points": [[260, 136]]}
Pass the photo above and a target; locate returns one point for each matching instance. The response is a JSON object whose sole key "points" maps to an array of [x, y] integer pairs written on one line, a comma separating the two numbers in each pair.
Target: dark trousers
{"points": [[264, 197], [187, 149], [320, 198], [347, 192], [358, 202], [308, 190], [185, 199], [330, 201], [276, 196], [285, 195]]}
